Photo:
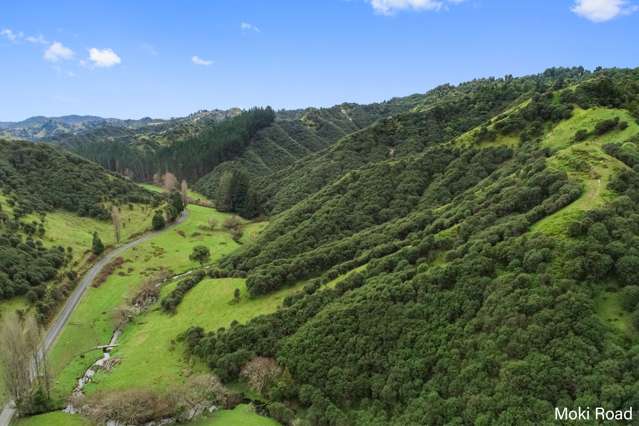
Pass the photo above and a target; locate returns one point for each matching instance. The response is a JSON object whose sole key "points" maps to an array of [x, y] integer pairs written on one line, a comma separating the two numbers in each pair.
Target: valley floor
{"points": [[150, 358]]}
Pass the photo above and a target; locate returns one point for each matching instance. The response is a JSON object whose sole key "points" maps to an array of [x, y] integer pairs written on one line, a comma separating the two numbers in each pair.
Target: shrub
{"points": [[158, 221], [260, 372], [106, 272], [606, 126], [628, 269], [200, 254], [170, 303], [281, 413], [581, 135]]}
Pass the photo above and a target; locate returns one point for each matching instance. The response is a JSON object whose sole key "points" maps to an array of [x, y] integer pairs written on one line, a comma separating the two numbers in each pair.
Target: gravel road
{"points": [[63, 316]]}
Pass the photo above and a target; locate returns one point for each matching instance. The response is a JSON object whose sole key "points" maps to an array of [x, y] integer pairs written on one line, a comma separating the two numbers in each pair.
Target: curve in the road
{"points": [[72, 302]]}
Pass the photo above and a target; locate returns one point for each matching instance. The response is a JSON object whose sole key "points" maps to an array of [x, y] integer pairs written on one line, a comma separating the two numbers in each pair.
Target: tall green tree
{"points": [[175, 206], [158, 221], [234, 194], [97, 246]]}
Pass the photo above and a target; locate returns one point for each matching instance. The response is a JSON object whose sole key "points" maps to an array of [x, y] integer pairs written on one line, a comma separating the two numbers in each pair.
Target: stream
{"points": [[91, 371]]}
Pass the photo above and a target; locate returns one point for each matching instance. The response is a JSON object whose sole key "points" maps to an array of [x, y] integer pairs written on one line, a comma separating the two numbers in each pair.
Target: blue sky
{"points": [[131, 59]]}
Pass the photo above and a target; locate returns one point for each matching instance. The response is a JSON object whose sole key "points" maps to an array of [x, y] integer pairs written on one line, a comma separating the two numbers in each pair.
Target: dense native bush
{"points": [[296, 134], [37, 178], [461, 314], [382, 332], [25, 265], [447, 112], [41, 178], [289, 257]]}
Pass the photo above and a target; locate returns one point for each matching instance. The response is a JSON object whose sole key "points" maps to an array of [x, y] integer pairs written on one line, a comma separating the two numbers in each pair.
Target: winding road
{"points": [[72, 302]]}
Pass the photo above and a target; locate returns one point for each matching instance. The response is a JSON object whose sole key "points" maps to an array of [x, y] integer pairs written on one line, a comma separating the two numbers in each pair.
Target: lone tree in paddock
{"points": [[97, 245], [200, 254], [158, 221]]}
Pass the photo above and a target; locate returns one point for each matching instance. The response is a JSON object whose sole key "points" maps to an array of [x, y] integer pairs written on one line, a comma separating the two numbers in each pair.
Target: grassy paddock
{"points": [[252, 230], [69, 230], [584, 162], [91, 324], [154, 188], [57, 418], [150, 357], [242, 415], [563, 134]]}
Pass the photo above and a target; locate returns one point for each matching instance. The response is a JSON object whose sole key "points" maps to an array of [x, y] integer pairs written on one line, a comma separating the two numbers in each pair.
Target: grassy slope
{"points": [[610, 310], [57, 418], [600, 167], [584, 161], [241, 415], [151, 359], [251, 230], [91, 324], [69, 230]]}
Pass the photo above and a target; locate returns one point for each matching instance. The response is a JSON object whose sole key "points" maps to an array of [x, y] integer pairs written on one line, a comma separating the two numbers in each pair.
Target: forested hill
{"points": [[352, 136], [141, 148], [40, 178], [203, 147], [471, 262], [296, 134], [41, 128], [38, 181], [444, 113]]}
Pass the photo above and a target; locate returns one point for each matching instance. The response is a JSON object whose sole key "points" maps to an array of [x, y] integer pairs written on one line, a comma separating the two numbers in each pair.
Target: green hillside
{"points": [[296, 134], [466, 256], [51, 202], [445, 113], [500, 267], [189, 148]]}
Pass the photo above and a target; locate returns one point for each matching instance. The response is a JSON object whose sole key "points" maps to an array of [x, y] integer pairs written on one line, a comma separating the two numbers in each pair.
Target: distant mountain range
{"points": [[39, 128]]}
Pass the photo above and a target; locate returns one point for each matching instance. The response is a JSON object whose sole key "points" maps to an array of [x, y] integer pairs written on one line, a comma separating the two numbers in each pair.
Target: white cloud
{"points": [[9, 34], [602, 10], [388, 7], [58, 52], [245, 26], [199, 61], [103, 58], [36, 39]]}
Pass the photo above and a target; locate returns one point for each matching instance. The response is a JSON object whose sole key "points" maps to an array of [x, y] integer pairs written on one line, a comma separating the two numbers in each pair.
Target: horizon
{"points": [[130, 61], [281, 109]]}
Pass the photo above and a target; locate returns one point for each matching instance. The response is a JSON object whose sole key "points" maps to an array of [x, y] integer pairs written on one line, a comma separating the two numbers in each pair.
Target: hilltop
{"points": [[41, 128]]}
